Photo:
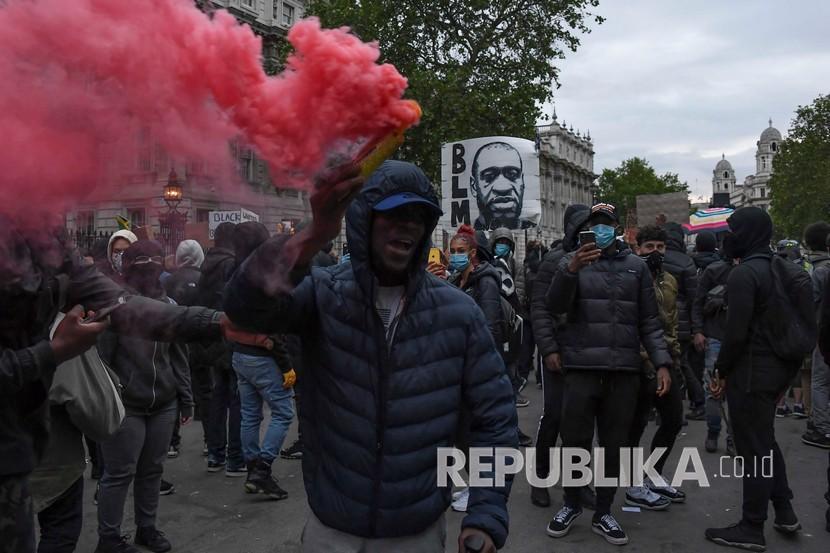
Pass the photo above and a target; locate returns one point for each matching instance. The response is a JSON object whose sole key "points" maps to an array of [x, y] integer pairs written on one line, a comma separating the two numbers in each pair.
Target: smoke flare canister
{"points": [[375, 153]]}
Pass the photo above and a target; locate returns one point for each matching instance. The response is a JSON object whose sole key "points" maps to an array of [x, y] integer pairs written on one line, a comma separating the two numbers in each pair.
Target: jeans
{"points": [[134, 454], [223, 427], [820, 384], [61, 522], [260, 379], [713, 406], [553, 387], [608, 400]]}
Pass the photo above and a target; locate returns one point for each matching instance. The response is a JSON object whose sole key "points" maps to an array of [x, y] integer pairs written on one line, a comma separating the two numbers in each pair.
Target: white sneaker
{"points": [[460, 499], [672, 494], [640, 496]]}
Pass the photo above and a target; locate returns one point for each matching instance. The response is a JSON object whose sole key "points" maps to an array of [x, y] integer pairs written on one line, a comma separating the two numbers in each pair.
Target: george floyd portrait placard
{"points": [[489, 183]]}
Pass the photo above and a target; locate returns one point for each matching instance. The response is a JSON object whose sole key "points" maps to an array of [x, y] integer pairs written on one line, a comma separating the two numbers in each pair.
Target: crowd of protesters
{"points": [[392, 351]]}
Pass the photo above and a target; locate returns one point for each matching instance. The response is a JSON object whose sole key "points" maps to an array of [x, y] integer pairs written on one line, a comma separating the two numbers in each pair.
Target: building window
{"points": [[136, 217], [202, 215], [248, 3], [287, 14], [726, 174], [763, 162], [85, 221], [763, 192]]}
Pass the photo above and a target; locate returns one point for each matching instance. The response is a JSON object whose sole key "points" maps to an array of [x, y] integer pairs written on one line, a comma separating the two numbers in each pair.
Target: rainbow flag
{"points": [[712, 219]]}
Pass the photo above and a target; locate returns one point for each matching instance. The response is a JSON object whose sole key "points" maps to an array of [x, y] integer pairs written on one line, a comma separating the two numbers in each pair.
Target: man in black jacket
{"points": [[753, 377], [40, 275], [392, 355], [608, 296], [544, 330], [223, 440], [710, 306], [683, 269]]}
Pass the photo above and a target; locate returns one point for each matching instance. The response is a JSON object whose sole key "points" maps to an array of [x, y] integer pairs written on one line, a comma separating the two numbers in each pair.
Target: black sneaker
{"points": [[610, 529], [214, 465], [561, 523], [730, 447], [234, 470], [711, 444], [120, 544], [816, 439], [267, 486], [166, 487], [152, 539], [786, 520], [782, 411], [799, 412], [524, 439], [738, 535], [293, 452], [522, 384], [696, 414], [671, 493], [539, 496], [522, 401], [173, 452]]}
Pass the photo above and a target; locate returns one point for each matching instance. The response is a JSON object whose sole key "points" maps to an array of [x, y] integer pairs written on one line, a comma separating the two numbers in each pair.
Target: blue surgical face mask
{"points": [[459, 261], [501, 250], [605, 235]]}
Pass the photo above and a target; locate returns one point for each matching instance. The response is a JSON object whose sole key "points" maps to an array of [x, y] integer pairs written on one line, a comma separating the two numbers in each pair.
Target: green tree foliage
{"points": [[800, 184], [621, 186], [477, 67]]}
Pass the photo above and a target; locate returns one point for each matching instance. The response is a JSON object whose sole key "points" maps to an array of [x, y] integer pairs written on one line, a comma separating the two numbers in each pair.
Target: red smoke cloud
{"points": [[77, 78]]}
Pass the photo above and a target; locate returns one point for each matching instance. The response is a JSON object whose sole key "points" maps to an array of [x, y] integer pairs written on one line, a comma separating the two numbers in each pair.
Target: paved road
{"points": [[210, 513]]}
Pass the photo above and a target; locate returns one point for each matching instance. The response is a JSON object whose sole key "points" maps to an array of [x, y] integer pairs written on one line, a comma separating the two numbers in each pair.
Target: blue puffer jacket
{"points": [[374, 414]]}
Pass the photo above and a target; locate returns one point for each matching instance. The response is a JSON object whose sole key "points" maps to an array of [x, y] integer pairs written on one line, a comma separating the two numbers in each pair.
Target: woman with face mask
{"points": [[156, 384]]}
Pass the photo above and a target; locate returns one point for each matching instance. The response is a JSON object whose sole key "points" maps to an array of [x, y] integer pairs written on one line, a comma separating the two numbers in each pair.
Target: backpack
{"points": [[788, 320]]}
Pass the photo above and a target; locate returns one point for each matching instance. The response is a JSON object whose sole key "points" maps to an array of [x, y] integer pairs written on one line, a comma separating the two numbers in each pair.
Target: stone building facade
{"points": [[755, 189], [140, 185], [566, 170]]}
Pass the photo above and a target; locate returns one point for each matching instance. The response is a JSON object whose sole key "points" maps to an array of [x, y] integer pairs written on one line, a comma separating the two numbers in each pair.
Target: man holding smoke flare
{"points": [[393, 355]]}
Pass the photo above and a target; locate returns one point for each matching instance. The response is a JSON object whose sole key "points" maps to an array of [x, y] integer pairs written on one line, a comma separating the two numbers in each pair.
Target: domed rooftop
{"points": [[723, 165], [770, 133]]}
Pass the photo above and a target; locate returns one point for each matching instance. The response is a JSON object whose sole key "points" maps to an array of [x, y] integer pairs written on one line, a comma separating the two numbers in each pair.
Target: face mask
{"points": [[502, 250], [654, 260], [459, 261], [117, 261], [605, 235]]}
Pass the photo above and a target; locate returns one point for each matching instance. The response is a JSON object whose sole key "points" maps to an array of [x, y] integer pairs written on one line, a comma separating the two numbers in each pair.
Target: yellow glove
{"points": [[289, 379]]}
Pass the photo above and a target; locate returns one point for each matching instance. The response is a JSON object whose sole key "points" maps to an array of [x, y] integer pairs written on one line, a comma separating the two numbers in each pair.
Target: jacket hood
{"points": [[127, 235], [392, 177], [483, 269], [676, 238], [704, 259], [575, 217], [501, 232], [189, 254], [751, 229], [215, 258]]}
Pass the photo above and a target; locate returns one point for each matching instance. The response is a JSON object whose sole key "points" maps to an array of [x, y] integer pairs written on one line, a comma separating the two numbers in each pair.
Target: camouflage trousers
{"points": [[17, 528]]}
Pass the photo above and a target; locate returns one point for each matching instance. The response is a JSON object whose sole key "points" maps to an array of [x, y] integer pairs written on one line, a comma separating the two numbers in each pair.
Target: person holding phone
{"points": [[607, 294]]}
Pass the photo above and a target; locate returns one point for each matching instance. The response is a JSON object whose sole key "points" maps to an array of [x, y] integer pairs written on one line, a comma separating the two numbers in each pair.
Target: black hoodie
{"points": [[683, 269], [745, 353], [544, 323]]}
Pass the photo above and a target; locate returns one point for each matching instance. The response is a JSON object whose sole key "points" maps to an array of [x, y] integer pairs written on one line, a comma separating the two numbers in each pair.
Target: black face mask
{"points": [[654, 260]]}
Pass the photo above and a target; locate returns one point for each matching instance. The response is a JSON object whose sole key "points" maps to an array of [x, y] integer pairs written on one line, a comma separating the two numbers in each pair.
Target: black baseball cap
{"points": [[607, 210]]}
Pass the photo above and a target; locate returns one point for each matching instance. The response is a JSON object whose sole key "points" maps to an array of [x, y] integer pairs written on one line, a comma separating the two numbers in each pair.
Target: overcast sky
{"points": [[681, 82]]}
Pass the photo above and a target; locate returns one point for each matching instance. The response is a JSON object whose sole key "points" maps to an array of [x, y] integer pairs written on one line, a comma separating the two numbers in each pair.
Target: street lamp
{"points": [[172, 223], [173, 191]]}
